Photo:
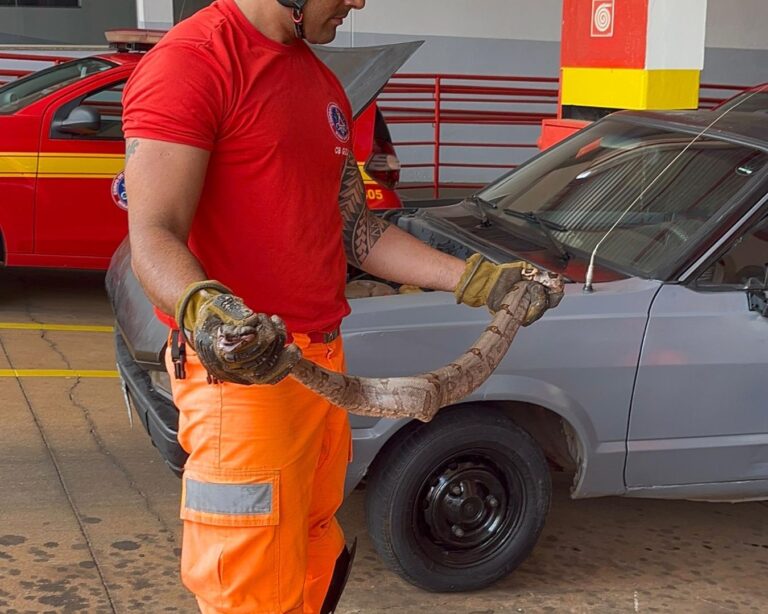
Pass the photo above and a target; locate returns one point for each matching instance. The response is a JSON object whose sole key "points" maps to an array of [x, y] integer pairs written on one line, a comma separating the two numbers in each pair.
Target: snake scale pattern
{"points": [[422, 396]]}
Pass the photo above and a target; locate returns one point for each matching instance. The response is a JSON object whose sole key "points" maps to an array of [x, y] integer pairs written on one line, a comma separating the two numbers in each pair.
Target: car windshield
{"points": [[22, 92], [630, 188]]}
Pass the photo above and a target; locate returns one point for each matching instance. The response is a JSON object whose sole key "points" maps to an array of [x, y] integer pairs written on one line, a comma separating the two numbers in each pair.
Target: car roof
{"points": [[120, 57], [733, 126]]}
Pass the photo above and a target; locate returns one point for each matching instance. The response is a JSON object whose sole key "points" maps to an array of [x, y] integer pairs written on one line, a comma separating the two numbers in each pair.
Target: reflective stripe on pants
{"points": [[264, 478]]}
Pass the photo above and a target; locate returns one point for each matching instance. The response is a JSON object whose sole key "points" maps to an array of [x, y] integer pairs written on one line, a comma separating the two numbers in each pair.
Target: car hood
{"points": [[364, 71], [454, 229]]}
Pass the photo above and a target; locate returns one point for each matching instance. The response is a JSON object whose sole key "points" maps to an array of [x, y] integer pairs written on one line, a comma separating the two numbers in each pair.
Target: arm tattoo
{"points": [[362, 229], [130, 148]]}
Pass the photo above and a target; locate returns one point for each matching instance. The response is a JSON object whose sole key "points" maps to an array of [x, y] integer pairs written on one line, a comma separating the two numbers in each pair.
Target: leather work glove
{"points": [[486, 283], [233, 343]]}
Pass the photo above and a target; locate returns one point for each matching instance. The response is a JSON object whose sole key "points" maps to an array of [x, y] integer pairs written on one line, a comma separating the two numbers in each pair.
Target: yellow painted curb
{"points": [[57, 373], [61, 327]]}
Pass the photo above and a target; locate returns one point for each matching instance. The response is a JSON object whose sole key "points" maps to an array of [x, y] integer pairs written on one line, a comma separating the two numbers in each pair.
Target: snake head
{"points": [[553, 282]]}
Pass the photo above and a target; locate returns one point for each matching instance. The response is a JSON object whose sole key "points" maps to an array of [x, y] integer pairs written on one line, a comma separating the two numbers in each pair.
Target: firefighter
{"points": [[246, 205]]}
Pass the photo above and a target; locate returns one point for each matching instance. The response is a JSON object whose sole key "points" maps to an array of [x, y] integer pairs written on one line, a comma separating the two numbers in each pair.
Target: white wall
{"points": [[731, 24], [676, 33], [154, 14], [737, 24], [505, 19], [523, 36]]}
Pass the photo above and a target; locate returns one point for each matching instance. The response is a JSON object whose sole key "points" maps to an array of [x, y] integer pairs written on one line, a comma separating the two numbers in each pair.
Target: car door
{"points": [[80, 215], [699, 408]]}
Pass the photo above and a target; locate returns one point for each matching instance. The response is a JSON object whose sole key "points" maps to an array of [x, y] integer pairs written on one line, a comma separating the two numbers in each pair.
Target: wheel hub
{"points": [[466, 506], [471, 509]]}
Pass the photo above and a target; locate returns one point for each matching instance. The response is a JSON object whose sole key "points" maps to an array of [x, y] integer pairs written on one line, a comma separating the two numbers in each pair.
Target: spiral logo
{"points": [[602, 17]]}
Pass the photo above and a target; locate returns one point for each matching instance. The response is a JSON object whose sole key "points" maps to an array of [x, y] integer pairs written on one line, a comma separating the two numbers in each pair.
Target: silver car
{"points": [[647, 381]]}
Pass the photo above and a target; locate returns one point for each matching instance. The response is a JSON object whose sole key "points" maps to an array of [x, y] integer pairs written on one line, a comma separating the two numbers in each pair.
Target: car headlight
{"points": [[161, 382]]}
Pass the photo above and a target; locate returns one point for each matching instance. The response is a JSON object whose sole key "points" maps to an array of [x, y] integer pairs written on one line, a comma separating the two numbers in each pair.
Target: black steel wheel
{"points": [[458, 503]]}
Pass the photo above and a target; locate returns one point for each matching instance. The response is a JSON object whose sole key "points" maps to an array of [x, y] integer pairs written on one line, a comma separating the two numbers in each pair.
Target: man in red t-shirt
{"points": [[239, 169]]}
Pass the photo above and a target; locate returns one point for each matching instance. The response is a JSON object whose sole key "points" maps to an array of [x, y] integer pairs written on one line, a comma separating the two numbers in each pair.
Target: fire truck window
{"points": [[108, 103], [18, 94]]}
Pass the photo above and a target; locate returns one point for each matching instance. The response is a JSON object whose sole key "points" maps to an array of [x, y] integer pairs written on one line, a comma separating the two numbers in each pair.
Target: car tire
{"points": [[458, 503]]}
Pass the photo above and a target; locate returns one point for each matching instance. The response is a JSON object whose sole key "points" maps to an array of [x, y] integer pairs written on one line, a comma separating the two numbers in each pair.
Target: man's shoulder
{"points": [[200, 31], [192, 45]]}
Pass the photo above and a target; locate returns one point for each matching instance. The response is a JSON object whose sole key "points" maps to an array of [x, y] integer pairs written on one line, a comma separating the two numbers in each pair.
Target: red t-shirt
{"points": [[278, 125]]}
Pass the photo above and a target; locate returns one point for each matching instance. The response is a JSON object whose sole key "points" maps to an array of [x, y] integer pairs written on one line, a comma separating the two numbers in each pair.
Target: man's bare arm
{"points": [[163, 182], [361, 230], [383, 250]]}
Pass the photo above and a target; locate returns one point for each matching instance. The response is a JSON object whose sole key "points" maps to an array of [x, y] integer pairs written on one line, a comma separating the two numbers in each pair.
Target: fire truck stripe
{"points": [[366, 177], [75, 165], [83, 165], [61, 165], [18, 164]]}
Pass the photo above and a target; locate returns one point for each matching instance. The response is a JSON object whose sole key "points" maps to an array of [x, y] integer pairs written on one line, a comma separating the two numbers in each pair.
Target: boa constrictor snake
{"points": [[422, 396]]}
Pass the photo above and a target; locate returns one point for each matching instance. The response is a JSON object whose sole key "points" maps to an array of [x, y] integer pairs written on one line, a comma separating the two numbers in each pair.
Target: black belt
{"points": [[317, 336]]}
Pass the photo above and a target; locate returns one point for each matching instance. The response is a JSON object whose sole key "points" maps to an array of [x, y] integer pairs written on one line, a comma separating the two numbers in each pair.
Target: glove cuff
{"points": [[476, 281], [189, 304]]}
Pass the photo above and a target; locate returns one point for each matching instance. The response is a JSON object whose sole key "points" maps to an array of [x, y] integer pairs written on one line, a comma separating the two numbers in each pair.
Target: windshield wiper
{"points": [[481, 206], [532, 218]]}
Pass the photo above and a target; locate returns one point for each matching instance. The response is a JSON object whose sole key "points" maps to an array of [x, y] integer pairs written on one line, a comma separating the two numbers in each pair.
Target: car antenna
{"points": [[589, 278]]}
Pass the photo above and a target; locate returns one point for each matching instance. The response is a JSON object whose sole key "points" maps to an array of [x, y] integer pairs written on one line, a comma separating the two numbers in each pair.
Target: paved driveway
{"points": [[88, 513]]}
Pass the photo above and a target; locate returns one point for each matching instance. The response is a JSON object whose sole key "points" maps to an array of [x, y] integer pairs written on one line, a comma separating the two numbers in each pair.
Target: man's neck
{"points": [[269, 18]]}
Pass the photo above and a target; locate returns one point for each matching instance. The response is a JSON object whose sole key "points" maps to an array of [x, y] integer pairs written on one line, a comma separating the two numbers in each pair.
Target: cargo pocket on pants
{"points": [[231, 497], [230, 551]]}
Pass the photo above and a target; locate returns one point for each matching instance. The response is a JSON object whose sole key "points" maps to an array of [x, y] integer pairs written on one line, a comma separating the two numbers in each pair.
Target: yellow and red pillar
{"points": [[630, 54]]}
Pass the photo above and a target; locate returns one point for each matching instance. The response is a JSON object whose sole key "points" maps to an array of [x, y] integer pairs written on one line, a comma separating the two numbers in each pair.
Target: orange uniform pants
{"points": [[264, 478]]}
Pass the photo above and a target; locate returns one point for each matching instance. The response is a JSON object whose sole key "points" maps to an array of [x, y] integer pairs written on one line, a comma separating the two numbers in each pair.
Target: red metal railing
{"points": [[712, 94], [448, 99], [442, 99]]}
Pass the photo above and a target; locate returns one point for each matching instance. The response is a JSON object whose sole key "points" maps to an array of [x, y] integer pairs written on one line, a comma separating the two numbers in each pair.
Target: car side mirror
{"points": [[757, 294], [81, 121]]}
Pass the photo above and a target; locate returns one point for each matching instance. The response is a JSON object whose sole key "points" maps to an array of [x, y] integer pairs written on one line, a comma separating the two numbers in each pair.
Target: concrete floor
{"points": [[88, 512]]}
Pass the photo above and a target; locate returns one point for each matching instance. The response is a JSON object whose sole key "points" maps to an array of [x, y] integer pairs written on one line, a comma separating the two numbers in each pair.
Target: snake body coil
{"points": [[421, 396]]}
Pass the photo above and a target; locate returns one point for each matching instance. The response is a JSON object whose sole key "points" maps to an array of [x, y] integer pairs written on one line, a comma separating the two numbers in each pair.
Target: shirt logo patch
{"points": [[119, 195], [338, 122]]}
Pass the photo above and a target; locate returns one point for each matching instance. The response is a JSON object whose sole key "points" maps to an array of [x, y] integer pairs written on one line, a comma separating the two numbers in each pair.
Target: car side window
{"points": [[107, 103], [746, 258]]}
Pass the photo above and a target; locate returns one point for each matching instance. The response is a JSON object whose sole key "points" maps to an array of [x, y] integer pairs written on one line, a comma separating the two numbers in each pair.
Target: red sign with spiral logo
{"points": [[602, 18], [604, 33]]}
